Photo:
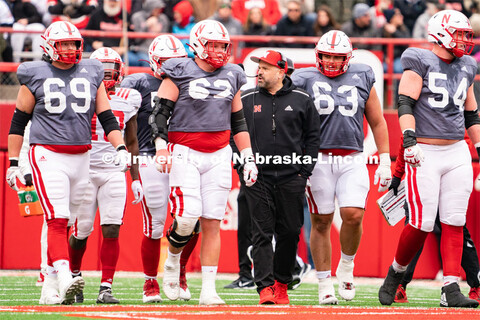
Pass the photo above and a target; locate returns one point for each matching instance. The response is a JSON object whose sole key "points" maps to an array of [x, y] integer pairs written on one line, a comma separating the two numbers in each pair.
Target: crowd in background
{"points": [[371, 18]]}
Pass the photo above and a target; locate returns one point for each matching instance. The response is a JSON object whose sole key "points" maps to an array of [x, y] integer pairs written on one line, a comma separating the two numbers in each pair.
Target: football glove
{"points": [[250, 173], [383, 173], [122, 159], [395, 184], [413, 155], [137, 190], [12, 174]]}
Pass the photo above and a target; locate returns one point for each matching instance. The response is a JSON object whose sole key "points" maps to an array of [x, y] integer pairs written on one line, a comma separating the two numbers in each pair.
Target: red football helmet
{"points": [[58, 32], [112, 65]]}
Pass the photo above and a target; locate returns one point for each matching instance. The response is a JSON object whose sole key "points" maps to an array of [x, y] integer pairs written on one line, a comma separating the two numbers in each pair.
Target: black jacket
{"points": [[283, 124]]}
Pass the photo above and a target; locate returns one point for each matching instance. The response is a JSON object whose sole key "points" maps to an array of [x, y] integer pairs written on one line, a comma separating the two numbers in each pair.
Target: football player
{"points": [[343, 94], [155, 184], [435, 105], [107, 187], [200, 98], [65, 92]]}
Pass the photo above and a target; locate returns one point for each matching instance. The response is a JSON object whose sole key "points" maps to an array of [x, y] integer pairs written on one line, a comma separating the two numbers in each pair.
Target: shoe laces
{"points": [[151, 287], [280, 289]]}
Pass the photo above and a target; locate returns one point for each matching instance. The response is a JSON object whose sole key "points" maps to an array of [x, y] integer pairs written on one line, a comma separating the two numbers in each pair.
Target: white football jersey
{"points": [[125, 104]]}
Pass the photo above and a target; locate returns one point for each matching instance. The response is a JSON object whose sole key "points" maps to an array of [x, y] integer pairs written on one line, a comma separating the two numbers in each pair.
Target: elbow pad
{"points": [[238, 122], [405, 105], [108, 121], [158, 120], [19, 122], [471, 118]]}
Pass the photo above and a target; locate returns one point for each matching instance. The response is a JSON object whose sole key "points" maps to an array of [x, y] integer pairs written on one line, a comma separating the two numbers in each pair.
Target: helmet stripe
{"points": [[334, 36], [175, 49], [70, 31]]}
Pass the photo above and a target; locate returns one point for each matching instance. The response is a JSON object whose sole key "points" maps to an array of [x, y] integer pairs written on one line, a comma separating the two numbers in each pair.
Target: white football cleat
{"points": [[346, 288], [210, 298], [185, 294], [49, 293], [326, 292], [171, 282], [68, 288]]}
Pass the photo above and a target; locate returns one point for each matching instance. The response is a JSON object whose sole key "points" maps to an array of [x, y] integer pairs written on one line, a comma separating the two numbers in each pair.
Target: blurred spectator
{"points": [[256, 26], [202, 9], [457, 5], [75, 11], [42, 8], [325, 21], [411, 10], [184, 22], [27, 19], [6, 20], [420, 27], [108, 17], [149, 19], [378, 18], [475, 23], [361, 26], [294, 23], [233, 25], [394, 28], [270, 10]]}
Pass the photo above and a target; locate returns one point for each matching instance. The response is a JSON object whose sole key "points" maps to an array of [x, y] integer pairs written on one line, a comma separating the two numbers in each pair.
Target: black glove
{"points": [[394, 185], [28, 180]]}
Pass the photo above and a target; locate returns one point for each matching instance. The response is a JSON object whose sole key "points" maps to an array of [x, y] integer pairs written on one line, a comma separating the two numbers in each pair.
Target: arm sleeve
{"points": [[312, 137]]}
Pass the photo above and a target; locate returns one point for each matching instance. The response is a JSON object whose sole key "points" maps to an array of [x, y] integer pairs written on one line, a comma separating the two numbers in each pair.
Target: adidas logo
{"points": [[42, 158], [288, 108], [83, 70], [464, 69], [356, 77]]}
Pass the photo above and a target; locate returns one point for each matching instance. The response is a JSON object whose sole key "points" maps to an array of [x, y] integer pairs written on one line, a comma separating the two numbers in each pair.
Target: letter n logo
{"points": [[445, 18], [257, 108]]}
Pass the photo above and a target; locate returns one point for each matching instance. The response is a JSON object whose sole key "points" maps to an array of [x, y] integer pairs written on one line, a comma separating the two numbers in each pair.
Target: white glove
{"points": [[414, 156], [383, 173], [137, 190], [250, 171], [12, 174], [122, 159]]}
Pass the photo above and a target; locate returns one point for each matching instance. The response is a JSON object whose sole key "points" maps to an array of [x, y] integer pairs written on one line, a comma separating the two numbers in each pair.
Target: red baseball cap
{"points": [[274, 58]]}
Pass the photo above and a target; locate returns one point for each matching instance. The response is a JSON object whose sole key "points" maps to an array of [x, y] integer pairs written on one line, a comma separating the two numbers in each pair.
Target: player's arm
{"points": [[374, 116], [242, 141], [23, 113], [107, 119], [164, 104], [472, 123], [132, 144], [409, 91]]}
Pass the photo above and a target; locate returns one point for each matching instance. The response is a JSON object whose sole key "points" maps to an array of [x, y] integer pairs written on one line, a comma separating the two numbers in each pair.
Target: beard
{"points": [[111, 11]]}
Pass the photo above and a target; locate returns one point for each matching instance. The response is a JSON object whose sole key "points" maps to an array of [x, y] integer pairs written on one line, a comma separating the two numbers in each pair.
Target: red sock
{"points": [[76, 256], [451, 248], [411, 240], [57, 239], [187, 250], [109, 257], [150, 256]]}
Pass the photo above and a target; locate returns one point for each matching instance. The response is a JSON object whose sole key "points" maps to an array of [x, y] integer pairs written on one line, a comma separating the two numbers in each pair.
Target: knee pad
{"points": [[427, 226], [182, 230], [457, 220]]}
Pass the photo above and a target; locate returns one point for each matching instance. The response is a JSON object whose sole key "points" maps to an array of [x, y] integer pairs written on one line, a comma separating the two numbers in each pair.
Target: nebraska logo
{"points": [[257, 108], [445, 18]]}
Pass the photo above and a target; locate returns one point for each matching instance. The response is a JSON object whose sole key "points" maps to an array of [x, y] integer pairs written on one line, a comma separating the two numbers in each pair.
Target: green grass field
{"points": [[20, 290]]}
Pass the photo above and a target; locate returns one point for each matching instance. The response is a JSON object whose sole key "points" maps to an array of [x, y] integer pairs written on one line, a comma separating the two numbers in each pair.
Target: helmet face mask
{"points": [[58, 36], [113, 66], [451, 30], [334, 44], [210, 41], [163, 48]]}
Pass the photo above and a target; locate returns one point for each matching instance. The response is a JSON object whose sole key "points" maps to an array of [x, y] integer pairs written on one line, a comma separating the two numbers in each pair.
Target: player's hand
{"points": [[477, 183], [413, 155], [137, 190], [250, 173], [383, 173], [395, 184], [163, 161], [13, 173], [122, 159]]}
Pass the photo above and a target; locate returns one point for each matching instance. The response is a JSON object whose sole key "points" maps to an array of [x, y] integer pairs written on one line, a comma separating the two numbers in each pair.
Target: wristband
{"points": [[160, 144]]}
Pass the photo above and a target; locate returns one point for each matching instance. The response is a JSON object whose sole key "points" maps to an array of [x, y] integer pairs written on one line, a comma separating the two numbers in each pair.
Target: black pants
{"points": [[244, 232], [469, 258], [277, 210]]}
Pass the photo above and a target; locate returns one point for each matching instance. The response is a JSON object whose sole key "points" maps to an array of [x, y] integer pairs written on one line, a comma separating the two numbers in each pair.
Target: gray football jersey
{"points": [[340, 101], [148, 86], [65, 100], [205, 98], [439, 109]]}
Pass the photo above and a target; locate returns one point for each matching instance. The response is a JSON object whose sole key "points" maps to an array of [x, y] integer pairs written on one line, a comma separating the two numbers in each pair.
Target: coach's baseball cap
{"points": [[274, 58]]}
